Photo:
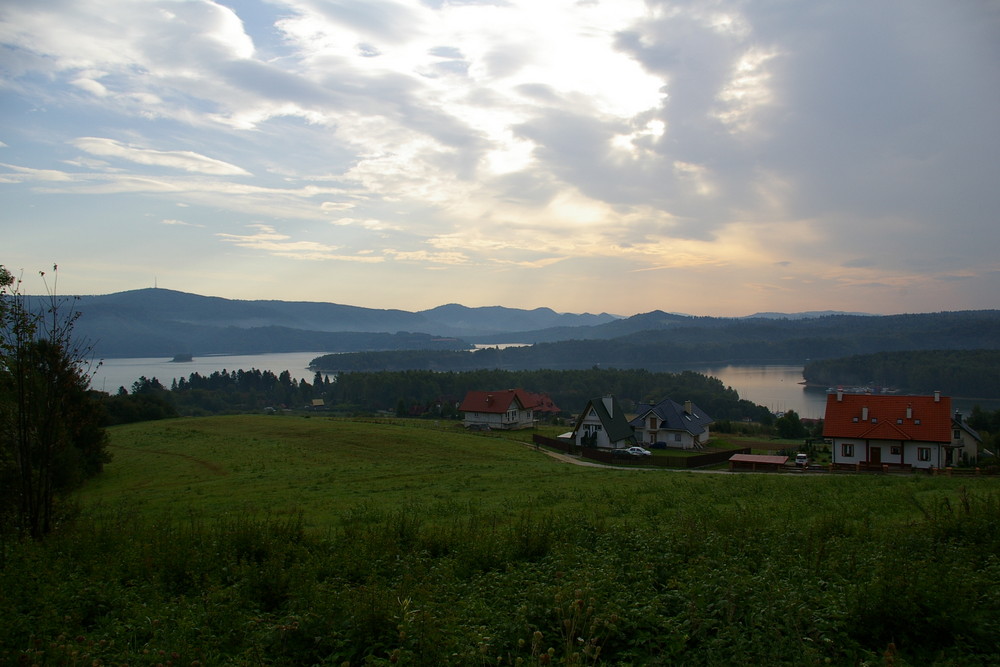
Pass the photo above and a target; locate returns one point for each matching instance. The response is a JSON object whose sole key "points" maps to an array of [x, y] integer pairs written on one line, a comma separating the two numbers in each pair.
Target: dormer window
{"points": [[917, 422], [874, 420]]}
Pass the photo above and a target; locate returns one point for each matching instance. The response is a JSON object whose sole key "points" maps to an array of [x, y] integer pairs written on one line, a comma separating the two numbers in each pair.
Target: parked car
{"points": [[638, 451], [801, 460], [659, 444]]}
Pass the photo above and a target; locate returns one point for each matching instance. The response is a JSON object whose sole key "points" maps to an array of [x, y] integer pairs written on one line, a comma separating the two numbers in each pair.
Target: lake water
{"points": [[776, 387], [114, 373]]}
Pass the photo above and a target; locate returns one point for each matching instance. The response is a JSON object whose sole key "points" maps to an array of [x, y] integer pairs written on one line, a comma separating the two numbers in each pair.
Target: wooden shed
{"points": [[757, 462]]}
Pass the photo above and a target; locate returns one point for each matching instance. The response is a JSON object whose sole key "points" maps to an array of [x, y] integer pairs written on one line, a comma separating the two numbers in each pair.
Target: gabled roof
{"points": [[672, 416], [498, 401], [957, 422], [878, 417], [613, 421], [542, 403]]}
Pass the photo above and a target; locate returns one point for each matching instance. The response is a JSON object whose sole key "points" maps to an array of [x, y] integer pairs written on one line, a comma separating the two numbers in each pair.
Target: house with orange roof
{"points": [[505, 410], [878, 429]]}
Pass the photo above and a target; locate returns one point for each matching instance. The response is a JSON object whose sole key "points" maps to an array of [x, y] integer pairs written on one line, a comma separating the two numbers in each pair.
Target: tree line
{"points": [[967, 373], [418, 392], [701, 341]]}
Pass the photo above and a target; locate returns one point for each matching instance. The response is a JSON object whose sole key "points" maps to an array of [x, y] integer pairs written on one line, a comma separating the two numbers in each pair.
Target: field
{"points": [[278, 540]]}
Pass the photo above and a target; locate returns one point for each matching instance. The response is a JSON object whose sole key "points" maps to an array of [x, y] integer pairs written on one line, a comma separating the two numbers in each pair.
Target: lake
{"points": [[776, 387], [114, 373]]}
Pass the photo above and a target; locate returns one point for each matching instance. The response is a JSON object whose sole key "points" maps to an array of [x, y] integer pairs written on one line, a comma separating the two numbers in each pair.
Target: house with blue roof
{"points": [[673, 424]]}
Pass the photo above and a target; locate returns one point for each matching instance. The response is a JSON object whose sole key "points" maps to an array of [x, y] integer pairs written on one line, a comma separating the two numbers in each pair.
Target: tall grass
{"points": [[605, 568]]}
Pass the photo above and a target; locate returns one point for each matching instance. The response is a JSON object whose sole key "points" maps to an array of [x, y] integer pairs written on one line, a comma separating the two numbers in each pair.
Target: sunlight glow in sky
{"points": [[711, 158]]}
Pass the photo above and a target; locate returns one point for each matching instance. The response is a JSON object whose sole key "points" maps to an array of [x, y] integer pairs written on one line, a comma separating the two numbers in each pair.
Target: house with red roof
{"points": [[890, 429], [507, 409]]}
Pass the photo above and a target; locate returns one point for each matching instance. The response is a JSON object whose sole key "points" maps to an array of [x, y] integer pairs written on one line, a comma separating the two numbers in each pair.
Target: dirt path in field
{"points": [[580, 461], [214, 468]]}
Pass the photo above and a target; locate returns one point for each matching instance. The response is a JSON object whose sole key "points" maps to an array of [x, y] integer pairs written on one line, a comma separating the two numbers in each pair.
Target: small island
{"points": [[182, 357]]}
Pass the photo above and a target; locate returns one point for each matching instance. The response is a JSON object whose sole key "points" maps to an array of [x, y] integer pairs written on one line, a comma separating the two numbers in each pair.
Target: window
{"points": [[677, 437], [923, 453], [847, 450], [896, 450], [652, 423]]}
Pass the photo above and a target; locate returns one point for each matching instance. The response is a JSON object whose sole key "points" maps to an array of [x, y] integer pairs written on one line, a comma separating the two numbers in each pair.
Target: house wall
{"points": [[511, 419], [491, 419], [674, 439], [592, 424], [907, 452], [936, 455], [969, 449]]}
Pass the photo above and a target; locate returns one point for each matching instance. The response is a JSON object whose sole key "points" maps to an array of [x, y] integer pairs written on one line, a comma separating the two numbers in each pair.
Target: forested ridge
{"points": [[969, 373], [682, 340]]}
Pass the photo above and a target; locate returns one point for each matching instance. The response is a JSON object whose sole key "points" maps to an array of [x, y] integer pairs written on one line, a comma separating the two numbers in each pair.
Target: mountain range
{"points": [[157, 322]]}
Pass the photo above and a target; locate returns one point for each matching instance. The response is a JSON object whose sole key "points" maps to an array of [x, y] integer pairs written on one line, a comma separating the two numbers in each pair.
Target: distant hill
{"points": [[802, 316], [657, 341], [157, 322]]}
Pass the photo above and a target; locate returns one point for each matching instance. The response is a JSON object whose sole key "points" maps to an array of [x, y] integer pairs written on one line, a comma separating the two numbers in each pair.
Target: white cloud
{"points": [[20, 174], [271, 242], [726, 143], [184, 160]]}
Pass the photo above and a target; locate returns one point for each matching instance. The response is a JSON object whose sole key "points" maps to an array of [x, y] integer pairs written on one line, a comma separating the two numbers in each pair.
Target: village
{"points": [[863, 432]]}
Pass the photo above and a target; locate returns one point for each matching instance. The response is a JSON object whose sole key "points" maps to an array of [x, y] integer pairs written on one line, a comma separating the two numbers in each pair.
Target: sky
{"points": [[709, 157]]}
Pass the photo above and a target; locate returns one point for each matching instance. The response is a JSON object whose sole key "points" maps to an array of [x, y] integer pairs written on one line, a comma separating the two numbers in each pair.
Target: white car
{"points": [[638, 451], [801, 460]]}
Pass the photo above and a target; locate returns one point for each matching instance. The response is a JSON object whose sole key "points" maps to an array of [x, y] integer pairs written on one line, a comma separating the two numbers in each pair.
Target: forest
{"points": [[664, 341], [968, 373], [416, 393]]}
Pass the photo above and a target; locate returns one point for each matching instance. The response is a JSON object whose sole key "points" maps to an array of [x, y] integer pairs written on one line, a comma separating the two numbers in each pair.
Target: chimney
{"points": [[937, 396], [958, 416], [489, 399], [909, 412], [687, 408], [840, 394], [864, 413]]}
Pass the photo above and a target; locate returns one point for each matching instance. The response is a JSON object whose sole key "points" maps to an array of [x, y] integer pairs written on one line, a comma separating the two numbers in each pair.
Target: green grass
{"points": [[280, 540], [321, 468]]}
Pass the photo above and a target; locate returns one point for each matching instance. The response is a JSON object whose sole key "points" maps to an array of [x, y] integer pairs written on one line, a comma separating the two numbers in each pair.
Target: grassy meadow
{"points": [[281, 540]]}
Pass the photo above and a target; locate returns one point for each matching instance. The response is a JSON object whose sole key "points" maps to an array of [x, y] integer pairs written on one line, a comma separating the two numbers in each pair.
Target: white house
{"points": [[603, 424], [891, 429], [675, 425], [508, 409]]}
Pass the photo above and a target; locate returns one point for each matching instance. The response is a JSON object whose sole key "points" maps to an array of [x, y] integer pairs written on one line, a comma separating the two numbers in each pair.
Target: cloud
{"points": [[184, 160], [269, 241], [683, 142]]}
